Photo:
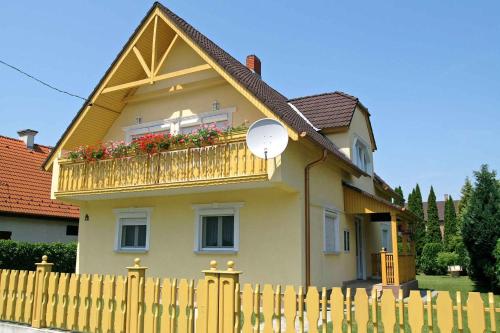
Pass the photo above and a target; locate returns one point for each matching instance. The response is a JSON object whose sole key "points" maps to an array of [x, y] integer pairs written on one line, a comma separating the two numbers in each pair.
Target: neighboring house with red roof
{"points": [[316, 214], [27, 213]]}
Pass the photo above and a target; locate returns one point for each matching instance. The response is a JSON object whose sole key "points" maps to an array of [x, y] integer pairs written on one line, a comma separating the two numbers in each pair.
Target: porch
{"points": [[393, 262]]}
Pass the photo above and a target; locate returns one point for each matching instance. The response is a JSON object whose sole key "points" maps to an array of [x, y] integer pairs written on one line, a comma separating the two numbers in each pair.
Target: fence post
{"points": [[39, 297], [135, 296], [221, 288], [383, 268]]}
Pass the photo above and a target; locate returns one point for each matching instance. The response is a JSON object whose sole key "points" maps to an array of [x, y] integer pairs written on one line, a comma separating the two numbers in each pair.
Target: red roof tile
{"points": [[24, 186]]}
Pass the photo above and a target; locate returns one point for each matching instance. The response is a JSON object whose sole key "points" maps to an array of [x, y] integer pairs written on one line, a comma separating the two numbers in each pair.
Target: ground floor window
{"points": [[132, 230], [217, 227], [331, 232]]}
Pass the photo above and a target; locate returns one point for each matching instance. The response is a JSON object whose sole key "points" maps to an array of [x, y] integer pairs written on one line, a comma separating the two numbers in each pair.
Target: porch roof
{"points": [[357, 201]]}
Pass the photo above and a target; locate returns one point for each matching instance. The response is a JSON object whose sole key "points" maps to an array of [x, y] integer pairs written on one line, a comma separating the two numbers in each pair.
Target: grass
{"points": [[438, 283], [453, 284]]}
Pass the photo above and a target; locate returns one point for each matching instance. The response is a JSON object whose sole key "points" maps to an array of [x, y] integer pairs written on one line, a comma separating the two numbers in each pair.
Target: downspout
{"points": [[307, 217]]}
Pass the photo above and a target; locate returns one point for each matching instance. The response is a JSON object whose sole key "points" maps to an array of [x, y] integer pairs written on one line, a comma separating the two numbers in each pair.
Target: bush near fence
{"points": [[23, 256]]}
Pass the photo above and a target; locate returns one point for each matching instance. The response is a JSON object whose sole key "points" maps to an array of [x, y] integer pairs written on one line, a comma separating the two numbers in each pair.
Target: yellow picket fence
{"points": [[216, 303]]}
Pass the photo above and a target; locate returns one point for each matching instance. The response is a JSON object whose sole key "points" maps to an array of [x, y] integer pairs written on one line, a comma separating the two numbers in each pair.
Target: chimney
{"points": [[446, 197], [28, 136], [253, 64]]}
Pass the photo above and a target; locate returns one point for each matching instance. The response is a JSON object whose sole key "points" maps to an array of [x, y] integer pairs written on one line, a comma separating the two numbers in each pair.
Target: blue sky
{"points": [[428, 71]]}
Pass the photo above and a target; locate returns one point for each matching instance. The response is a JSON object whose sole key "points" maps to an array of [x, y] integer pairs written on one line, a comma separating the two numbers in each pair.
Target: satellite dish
{"points": [[267, 138]]}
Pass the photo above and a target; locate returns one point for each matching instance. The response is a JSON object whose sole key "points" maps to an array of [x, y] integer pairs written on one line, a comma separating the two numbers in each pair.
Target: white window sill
{"points": [[131, 250], [335, 253], [216, 251]]}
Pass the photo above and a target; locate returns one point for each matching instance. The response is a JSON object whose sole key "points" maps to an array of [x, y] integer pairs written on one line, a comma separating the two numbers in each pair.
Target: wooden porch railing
{"points": [[406, 268], [222, 161]]}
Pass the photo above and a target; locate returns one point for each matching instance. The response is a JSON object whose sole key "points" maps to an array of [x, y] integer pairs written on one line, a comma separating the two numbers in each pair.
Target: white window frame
{"points": [[336, 237], [216, 209], [175, 125], [368, 163], [131, 213], [348, 231]]}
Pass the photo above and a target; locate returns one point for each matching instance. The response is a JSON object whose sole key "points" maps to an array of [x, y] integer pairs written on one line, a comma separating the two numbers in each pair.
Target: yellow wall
{"points": [[345, 141], [269, 236]]}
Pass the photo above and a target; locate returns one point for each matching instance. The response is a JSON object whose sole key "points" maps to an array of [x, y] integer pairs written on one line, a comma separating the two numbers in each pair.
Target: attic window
{"points": [[361, 156]]}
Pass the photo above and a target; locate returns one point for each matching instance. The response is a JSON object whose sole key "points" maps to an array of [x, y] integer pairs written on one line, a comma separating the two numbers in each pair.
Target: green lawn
{"points": [[451, 284]]}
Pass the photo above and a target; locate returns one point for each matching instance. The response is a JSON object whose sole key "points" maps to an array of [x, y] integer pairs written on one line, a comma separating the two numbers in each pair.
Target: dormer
{"points": [[345, 121]]}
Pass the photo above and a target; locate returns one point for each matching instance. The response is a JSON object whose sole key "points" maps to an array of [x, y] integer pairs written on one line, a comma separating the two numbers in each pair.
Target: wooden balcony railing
{"points": [[405, 269], [222, 162]]}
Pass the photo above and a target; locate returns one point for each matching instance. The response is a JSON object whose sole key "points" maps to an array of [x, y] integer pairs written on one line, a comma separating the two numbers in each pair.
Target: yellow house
{"points": [[315, 215]]}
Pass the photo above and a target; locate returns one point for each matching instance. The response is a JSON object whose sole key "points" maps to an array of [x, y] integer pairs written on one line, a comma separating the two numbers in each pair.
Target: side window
{"points": [[385, 238], [347, 240], [72, 230], [132, 230], [331, 232], [361, 156]]}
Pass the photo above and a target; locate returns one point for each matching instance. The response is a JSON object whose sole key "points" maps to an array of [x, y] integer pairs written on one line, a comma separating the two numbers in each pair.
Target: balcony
{"points": [[228, 161]]}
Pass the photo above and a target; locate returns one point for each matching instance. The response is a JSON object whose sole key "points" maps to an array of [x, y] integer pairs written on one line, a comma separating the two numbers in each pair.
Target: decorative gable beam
{"points": [[164, 57], [162, 77], [142, 61]]}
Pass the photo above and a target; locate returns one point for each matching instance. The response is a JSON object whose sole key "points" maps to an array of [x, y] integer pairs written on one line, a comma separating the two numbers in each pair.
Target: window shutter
{"points": [[331, 233]]}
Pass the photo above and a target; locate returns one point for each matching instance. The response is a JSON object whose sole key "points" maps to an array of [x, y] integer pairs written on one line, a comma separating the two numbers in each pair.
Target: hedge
{"points": [[23, 256]]}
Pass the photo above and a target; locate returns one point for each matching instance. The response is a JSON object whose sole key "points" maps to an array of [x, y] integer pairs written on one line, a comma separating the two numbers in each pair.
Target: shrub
{"points": [[23, 256], [445, 259], [428, 259]]}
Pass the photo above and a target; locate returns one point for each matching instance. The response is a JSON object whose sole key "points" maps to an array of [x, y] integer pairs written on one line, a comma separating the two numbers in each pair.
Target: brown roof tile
{"points": [[24, 186], [328, 110]]}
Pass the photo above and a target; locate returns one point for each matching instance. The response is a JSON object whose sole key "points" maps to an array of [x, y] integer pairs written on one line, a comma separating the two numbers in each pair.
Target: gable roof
{"points": [[333, 110], [328, 110], [24, 186], [252, 82]]}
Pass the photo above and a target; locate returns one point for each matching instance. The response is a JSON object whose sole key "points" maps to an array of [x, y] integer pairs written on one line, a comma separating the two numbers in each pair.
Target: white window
{"points": [[347, 240], [154, 127], [361, 155], [185, 125], [385, 237], [217, 227], [132, 229], [221, 119], [331, 232]]}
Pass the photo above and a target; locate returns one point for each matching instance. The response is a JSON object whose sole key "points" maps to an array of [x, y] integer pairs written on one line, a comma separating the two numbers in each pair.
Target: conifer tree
{"points": [[450, 221], [416, 207], [465, 195], [401, 200], [481, 228], [432, 230]]}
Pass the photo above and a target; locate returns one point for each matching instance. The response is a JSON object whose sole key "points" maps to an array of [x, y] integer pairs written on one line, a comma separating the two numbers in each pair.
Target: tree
{"points": [[416, 207], [450, 222], [481, 228], [401, 200], [465, 195], [432, 230]]}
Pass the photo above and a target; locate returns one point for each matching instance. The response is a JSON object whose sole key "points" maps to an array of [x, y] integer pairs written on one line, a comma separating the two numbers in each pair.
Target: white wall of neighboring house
{"points": [[37, 230]]}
